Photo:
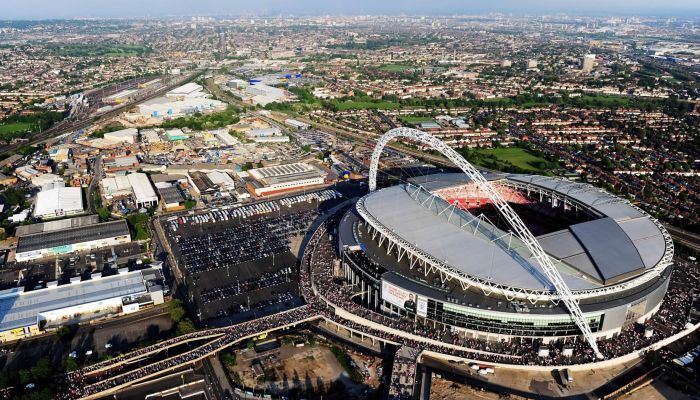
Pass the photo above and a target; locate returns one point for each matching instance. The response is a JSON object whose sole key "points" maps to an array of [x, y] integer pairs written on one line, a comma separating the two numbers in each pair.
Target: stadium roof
{"points": [[478, 254], [80, 234], [19, 309], [620, 244]]}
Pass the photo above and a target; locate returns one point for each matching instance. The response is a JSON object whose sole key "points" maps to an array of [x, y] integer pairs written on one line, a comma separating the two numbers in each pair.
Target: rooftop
{"points": [[58, 201], [73, 235], [588, 255], [19, 309]]}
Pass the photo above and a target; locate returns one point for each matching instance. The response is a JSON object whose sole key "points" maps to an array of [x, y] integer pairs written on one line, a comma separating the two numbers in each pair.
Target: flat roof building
{"points": [[26, 313], [117, 164], [59, 202], [283, 178], [69, 240], [127, 135], [171, 198], [296, 124], [144, 195]]}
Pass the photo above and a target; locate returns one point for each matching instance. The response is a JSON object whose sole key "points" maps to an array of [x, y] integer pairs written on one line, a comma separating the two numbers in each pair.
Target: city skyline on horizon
{"points": [[75, 9]]}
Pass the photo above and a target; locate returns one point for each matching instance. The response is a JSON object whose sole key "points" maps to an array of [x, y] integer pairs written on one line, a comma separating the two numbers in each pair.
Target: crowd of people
{"points": [[264, 280], [317, 267], [81, 384], [323, 294], [403, 374]]}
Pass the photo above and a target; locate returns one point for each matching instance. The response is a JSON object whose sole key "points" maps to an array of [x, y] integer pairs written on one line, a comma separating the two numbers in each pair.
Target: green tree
{"points": [[185, 326], [70, 364], [176, 309], [25, 376], [42, 370]]}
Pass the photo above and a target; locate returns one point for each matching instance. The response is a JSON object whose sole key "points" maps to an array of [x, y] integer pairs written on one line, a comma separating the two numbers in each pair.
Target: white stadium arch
{"points": [[514, 221]]}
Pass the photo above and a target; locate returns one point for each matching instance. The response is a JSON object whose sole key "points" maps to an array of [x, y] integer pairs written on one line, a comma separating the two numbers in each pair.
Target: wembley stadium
{"points": [[503, 256]]}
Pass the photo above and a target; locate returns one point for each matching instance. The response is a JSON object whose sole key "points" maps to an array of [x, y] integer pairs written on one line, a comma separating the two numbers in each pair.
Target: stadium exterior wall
{"points": [[575, 367], [620, 311]]}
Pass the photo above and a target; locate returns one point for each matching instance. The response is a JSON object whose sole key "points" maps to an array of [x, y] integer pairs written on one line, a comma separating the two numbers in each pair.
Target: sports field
{"points": [[14, 127], [515, 156]]}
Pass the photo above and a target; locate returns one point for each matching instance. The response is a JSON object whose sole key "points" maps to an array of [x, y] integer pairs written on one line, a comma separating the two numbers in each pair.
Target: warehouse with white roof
{"points": [[59, 202], [144, 195], [283, 178], [26, 313], [137, 185]]}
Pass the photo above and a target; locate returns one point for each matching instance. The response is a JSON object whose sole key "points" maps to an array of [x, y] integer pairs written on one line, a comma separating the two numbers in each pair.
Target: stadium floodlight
{"points": [[514, 221]]}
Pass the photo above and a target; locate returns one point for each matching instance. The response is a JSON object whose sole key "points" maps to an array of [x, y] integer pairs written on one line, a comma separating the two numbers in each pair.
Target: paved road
{"points": [[124, 333], [684, 237], [96, 177]]}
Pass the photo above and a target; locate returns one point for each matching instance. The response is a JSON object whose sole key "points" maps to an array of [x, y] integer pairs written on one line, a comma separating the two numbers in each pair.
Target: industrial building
{"points": [[171, 198], [263, 94], [27, 313], [117, 164], [127, 135], [267, 135], [283, 178], [76, 238], [188, 90], [55, 225], [59, 202], [144, 195], [298, 125], [264, 132], [136, 185]]}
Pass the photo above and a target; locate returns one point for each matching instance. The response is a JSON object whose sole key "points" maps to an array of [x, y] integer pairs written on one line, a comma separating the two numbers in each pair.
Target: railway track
{"points": [[63, 127]]}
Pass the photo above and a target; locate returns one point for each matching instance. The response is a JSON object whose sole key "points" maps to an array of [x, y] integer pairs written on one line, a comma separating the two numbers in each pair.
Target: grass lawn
{"points": [[15, 127], [414, 120], [395, 67], [137, 223], [515, 155], [367, 105]]}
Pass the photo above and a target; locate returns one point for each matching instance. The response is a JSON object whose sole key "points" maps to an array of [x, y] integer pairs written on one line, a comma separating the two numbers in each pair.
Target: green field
{"points": [[101, 50], [395, 67], [366, 105], [414, 120], [15, 127], [505, 158]]}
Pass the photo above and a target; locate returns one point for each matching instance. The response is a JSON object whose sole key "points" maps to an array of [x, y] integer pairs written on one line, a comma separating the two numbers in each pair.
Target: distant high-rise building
{"points": [[506, 63], [222, 46], [588, 62], [531, 64]]}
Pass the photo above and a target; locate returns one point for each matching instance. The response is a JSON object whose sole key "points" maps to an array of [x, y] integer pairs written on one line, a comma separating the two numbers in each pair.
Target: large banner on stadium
{"points": [[398, 297], [422, 307]]}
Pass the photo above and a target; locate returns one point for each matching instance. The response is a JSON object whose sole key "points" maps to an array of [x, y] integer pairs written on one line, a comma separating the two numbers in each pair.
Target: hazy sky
{"points": [[42, 9]]}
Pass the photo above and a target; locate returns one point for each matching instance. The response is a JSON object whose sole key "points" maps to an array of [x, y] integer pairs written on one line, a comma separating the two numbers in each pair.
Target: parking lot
{"points": [[237, 261]]}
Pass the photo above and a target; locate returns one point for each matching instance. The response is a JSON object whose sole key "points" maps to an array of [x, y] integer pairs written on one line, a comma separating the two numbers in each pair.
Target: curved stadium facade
{"points": [[435, 249]]}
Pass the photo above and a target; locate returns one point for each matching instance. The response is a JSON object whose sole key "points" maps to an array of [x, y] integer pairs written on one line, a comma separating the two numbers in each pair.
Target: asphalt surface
{"points": [[123, 333], [96, 177], [684, 237]]}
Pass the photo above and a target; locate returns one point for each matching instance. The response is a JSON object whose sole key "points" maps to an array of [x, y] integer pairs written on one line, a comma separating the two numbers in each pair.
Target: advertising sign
{"points": [[422, 307], [398, 297]]}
